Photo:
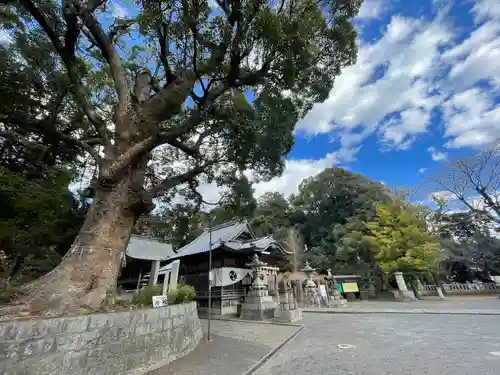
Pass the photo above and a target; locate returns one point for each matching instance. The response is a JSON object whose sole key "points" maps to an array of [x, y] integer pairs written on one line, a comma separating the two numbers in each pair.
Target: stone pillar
{"points": [[404, 294], [286, 311], [258, 305], [174, 275], [155, 268], [166, 283], [312, 298], [400, 280]]}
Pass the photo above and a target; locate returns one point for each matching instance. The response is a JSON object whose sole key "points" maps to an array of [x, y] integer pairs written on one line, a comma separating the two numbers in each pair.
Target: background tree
{"points": [[39, 217], [469, 244], [272, 215], [331, 204], [475, 182], [399, 239], [168, 106]]}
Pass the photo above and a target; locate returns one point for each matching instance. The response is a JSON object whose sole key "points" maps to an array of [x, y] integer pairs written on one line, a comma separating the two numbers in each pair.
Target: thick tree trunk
{"points": [[91, 266]]}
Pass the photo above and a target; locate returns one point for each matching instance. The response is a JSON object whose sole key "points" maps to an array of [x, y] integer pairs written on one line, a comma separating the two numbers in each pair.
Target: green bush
{"points": [[172, 296], [185, 293], [144, 297]]}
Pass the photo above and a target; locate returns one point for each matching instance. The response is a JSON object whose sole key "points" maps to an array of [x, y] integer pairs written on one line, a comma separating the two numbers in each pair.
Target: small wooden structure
{"points": [[145, 261], [233, 244]]}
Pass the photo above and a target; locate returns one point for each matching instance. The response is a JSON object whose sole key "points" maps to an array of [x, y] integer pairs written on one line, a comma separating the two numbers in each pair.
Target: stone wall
{"points": [[125, 343]]}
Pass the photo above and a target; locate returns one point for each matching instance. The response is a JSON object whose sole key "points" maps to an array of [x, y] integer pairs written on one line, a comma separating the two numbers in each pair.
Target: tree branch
{"points": [[112, 58], [172, 182], [164, 52], [168, 101], [16, 137], [69, 59]]}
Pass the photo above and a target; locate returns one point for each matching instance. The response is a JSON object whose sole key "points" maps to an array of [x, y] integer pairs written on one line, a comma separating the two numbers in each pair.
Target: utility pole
{"points": [[209, 275]]}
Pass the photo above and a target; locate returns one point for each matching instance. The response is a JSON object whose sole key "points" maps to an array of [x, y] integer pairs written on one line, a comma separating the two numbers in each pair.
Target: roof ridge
{"points": [[226, 224]]}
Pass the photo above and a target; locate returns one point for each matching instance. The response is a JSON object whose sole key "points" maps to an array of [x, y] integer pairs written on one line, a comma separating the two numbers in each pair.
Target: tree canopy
{"points": [[172, 94], [332, 204], [399, 239]]}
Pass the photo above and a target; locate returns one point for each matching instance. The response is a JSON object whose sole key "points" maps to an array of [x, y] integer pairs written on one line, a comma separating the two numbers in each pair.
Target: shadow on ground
{"points": [[234, 348]]}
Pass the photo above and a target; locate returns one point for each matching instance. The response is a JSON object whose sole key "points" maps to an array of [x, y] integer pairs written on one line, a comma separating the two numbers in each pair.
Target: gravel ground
{"points": [[391, 344]]}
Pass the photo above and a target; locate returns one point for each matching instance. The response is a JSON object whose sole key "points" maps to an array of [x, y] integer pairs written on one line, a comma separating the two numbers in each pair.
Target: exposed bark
{"points": [[91, 266]]}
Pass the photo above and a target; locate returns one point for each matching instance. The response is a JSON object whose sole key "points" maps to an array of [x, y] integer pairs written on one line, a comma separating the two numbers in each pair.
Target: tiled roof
{"points": [[226, 235], [148, 249]]}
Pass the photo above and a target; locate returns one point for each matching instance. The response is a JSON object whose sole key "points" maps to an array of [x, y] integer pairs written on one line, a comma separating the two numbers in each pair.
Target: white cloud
{"points": [[471, 119], [418, 68], [296, 171], [422, 170], [437, 155], [117, 10], [442, 194], [371, 9], [484, 9], [407, 59]]}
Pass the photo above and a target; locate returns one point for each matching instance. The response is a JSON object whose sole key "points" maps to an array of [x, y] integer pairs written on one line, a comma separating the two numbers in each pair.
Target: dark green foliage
{"points": [[182, 294], [272, 215], [39, 217], [38, 221], [332, 204], [144, 297]]}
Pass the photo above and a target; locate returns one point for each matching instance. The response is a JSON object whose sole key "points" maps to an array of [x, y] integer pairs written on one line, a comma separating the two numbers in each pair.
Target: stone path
{"points": [[235, 347], [391, 345]]}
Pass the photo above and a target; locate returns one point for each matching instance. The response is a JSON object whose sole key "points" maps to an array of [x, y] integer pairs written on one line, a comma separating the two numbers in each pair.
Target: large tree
{"points": [[399, 240], [176, 94], [330, 205]]}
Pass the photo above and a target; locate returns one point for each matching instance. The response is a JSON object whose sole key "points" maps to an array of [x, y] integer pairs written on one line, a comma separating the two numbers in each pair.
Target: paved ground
{"points": [[391, 344], [235, 348], [451, 305]]}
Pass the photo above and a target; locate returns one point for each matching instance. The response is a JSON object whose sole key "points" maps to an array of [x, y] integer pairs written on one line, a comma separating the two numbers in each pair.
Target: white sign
{"points": [[322, 290], [159, 301]]}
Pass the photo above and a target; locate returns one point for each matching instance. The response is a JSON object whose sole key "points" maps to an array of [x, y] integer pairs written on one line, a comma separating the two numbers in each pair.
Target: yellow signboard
{"points": [[350, 287]]}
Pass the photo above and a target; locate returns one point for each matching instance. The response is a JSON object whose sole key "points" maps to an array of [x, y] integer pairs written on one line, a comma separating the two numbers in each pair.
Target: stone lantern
{"points": [[336, 299], [258, 305], [312, 298]]}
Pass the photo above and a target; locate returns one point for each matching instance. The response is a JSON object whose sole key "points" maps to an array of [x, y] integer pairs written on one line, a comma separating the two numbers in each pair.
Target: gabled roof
{"points": [[148, 249], [259, 244], [227, 235]]}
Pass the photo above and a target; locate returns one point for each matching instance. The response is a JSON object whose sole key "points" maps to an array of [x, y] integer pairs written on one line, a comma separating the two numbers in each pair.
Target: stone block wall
{"points": [[125, 342]]}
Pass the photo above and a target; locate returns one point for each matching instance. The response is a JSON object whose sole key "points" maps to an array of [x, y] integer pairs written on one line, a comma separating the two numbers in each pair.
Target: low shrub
{"points": [[172, 296], [185, 293], [144, 297]]}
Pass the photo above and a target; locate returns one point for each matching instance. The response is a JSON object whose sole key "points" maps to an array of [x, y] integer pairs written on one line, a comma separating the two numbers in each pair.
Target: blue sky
{"points": [[425, 90]]}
